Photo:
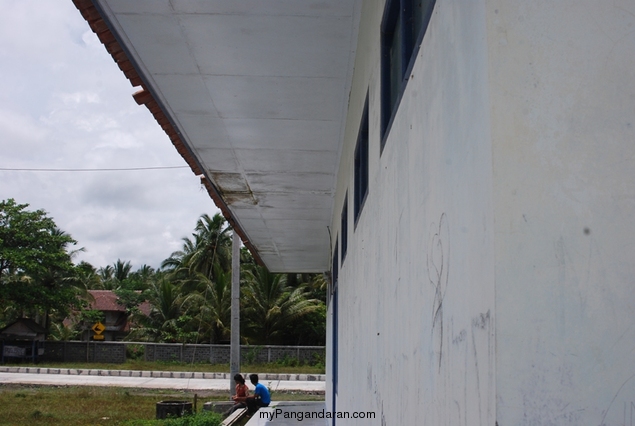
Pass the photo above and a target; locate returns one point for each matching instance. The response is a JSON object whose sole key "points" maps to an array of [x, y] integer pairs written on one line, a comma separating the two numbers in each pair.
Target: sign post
{"points": [[98, 328]]}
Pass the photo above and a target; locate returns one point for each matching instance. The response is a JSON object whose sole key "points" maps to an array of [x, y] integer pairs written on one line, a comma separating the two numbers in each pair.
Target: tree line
{"points": [[189, 295]]}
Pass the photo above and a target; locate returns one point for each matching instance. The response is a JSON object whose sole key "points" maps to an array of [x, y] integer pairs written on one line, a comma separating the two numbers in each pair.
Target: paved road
{"points": [[183, 381]]}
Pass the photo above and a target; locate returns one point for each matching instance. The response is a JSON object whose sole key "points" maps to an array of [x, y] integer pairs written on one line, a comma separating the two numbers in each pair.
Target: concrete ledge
{"points": [[268, 377], [234, 417]]}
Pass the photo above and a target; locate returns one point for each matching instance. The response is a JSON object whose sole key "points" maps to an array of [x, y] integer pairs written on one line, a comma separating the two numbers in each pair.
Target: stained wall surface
{"points": [[562, 90], [490, 276], [416, 288]]}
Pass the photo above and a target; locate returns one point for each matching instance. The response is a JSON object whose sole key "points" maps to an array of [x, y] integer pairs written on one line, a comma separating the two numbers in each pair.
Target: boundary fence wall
{"points": [[115, 352]]}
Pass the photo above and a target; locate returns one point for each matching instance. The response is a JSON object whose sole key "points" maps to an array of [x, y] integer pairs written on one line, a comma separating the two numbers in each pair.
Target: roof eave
{"points": [[99, 24]]}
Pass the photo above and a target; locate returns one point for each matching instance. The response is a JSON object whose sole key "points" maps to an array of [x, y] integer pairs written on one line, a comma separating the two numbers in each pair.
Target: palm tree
{"points": [[211, 245], [167, 317], [213, 305], [270, 306], [140, 279], [121, 270], [61, 332], [87, 277], [107, 275]]}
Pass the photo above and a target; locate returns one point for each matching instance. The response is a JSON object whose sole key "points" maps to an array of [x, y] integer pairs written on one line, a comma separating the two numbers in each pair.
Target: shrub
{"points": [[203, 418], [135, 352], [252, 354]]}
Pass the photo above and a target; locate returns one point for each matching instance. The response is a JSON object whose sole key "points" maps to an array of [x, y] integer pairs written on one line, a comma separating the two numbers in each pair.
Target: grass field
{"points": [[70, 405], [75, 406]]}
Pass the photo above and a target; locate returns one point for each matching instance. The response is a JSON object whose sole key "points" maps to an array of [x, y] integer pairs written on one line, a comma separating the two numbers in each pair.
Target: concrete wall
{"points": [[103, 352], [562, 84], [490, 278], [115, 352], [416, 290]]}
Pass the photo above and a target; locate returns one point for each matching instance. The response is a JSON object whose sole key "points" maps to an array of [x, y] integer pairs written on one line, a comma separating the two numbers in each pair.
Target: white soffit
{"points": [[259, 91]]}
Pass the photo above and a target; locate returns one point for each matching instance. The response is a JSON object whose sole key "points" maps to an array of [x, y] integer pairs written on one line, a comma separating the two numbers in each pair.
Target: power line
{"points": [[126, 169]]}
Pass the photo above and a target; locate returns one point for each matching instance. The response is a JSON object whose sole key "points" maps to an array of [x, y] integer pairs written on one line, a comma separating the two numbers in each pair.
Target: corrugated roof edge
{"points": [[101, 28]]}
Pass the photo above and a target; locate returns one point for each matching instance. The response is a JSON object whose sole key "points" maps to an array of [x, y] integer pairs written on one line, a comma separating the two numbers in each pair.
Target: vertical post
{"points": [[234, 350]]}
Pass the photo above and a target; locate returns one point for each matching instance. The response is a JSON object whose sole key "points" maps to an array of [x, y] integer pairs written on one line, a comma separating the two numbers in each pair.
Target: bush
{"points": [[204, 418], [252, 354], [288, 361], [135, 352], [319, 360]]}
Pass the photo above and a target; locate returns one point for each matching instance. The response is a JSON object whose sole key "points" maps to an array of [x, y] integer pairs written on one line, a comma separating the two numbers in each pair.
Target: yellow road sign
{"points": [[98, 337], [98, 328]]}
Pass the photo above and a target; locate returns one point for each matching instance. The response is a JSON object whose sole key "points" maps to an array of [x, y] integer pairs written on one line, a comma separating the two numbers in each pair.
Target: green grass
{"points": [[75, 406], [199, 419], [174, 366]]}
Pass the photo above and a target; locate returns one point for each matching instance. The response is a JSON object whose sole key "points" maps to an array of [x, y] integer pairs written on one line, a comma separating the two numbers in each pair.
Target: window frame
{"points": [[335, 266], [361, 165], [344, 230], [396, 12]]}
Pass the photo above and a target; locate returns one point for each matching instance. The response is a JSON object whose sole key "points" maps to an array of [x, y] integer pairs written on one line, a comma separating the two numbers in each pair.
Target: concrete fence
{"points": [[115, 352]]}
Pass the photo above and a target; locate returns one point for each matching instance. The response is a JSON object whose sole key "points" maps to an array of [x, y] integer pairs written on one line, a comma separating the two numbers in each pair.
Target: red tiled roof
{"points": [[145, 308], [145, 97], [105, 300]]}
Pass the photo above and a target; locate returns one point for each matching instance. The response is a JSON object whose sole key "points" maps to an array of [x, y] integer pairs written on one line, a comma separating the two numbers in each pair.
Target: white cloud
{"points": [[65, 104], [79, 97]]}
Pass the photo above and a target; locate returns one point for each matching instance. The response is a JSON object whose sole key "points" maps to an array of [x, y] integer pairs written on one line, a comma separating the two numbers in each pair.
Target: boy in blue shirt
{"points": [[261, 397]]}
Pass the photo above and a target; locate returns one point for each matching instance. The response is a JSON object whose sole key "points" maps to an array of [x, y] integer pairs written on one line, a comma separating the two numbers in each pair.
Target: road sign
{"points": [[98, 337], [98, 328]]}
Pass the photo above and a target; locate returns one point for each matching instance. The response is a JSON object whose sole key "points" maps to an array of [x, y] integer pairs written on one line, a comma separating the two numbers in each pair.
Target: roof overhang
{"points": [[254, 96]]}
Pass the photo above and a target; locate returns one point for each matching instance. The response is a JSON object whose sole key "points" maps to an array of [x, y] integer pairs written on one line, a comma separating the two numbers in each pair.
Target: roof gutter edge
{"points": [[100, 25]]}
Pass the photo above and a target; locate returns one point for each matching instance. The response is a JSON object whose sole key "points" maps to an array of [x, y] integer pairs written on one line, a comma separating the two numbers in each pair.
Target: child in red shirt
{"points": [[242, 392]]}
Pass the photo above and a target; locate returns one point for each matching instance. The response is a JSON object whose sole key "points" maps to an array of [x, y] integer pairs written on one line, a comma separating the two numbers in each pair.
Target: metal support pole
{"points": [[234, 350]]}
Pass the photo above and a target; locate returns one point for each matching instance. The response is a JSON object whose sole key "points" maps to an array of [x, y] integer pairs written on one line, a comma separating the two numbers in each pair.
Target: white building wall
{"points": [[416, 290], [490, 279], [562, 84]]}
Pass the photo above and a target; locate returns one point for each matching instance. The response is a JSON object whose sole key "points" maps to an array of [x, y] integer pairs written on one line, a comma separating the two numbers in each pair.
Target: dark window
{"points": [[344, 228], [335, 266], [402, 29], [361, 165]]}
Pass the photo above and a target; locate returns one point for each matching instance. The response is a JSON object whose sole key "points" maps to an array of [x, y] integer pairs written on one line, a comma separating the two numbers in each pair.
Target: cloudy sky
{"points": [[64, 104]]}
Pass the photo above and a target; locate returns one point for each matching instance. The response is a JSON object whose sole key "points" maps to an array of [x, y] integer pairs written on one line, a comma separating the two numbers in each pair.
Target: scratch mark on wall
{"points": [[619, 391], [481, 322], [438, 265]]}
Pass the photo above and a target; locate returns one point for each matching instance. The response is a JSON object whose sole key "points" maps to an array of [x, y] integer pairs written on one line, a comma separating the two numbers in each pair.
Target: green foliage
{"points": [[135, 352], [252, 354], [271, 307], [61, 332], [319, 361], [288, 361], [212, 306], [190, 298], [203, 418], [129, 299], [35, 265], [169, 320], [309, 330], [210, 246], [90, 317]]}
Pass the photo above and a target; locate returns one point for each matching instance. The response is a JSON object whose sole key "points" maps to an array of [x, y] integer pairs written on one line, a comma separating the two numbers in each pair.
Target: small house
{"points": [[116, 321], [22, 339]]}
